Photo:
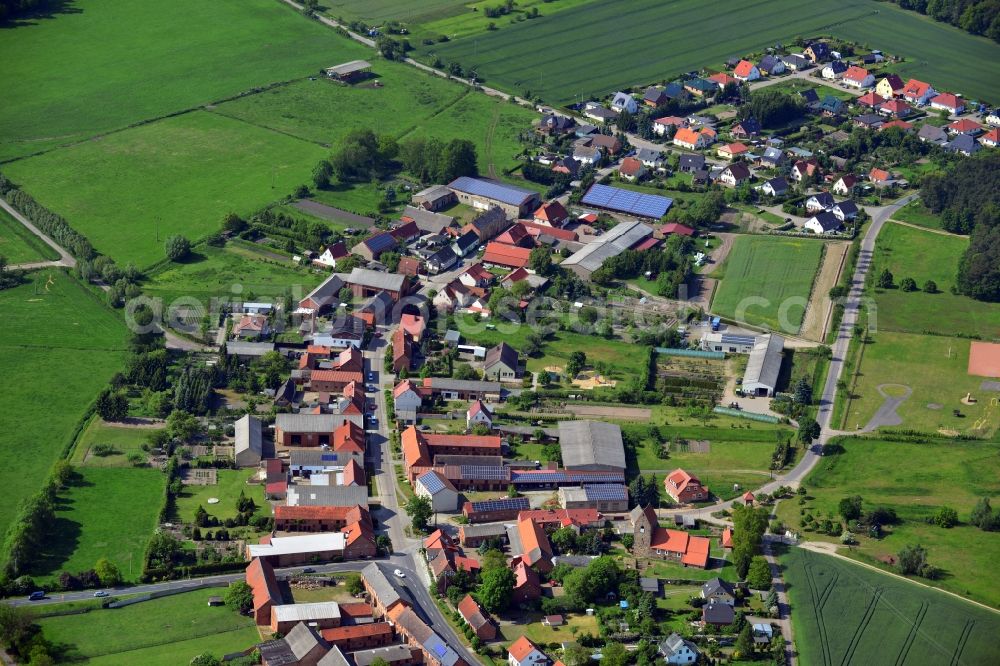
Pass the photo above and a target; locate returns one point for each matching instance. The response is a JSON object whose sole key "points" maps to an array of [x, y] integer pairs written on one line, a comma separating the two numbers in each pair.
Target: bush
{"points": [[177, 247]]}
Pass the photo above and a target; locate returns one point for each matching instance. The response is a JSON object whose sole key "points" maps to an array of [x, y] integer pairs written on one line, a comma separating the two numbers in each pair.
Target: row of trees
{"points": [[9, 277], [772, 108]]}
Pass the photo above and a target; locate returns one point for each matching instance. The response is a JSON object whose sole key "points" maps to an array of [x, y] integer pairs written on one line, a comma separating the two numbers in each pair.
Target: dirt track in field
{"points": [[817, 316]]}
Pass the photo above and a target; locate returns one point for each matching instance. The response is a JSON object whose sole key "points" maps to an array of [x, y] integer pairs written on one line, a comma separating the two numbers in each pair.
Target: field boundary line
{"points": [[939, 232], [824, 642], [914, 630], [862, 627], [956, 658], [853, 384], [220, 114]]}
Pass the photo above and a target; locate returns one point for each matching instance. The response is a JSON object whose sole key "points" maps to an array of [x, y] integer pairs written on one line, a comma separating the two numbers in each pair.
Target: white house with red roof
{"points": [[631, 169], [332, 254], [746, 71], [949, 102], [917, 92], [965, 126], [476, 275], [662, 126], [858, 77], [552, 214], [251, 327], [524, 652], [478, 412], [991, 138], [722, 79]]}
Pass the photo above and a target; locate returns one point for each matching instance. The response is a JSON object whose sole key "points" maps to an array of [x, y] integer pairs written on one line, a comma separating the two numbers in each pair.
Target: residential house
{"points": [[845, 210], [478, 413], [331, 254], [775, 187], [717, 614], [476, 275], [676, 651], [407, 401], [529, 542], [444, 258], [477, 619], [845, 184], [691, 163], [804, 169], [551, 214], [693, 139], [991, 138], [810, 97], [718, 591], [685, 488], [871, 100], [965, 126], [899, 124], [834, 71], [567, 165], [993, 117], [796, 63], [488, 224], [415, 631], [963, 144], [555, 125], [402, 351], [933, 134], [631, 169], [624, 103], [822, 223], [817, 52], [406, 232], [831, 106], [465, 244], [746, 129], [651, 159], [890, 86], [770, 65], [879, 177], [596, 112], [868, 121], [610, 145], [668, 125], [587, 154], [895, 108], [252, 327], [732, 151], [655, 96], [771, 158], [953, 104], [735, 175], [819, 201], [746, 71], [917, 92], [501, 363], [527, 584], [722, 80], [700, 87], [523, 652]]}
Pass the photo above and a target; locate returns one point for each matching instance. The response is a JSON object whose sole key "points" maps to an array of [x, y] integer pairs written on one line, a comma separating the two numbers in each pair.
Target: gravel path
{"points": [[886, 414]]}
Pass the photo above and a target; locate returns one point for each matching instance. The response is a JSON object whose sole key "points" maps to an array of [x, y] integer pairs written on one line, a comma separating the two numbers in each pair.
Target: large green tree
{"points": [[239, 596], [495, 588], [420, 510], [749, 524]]}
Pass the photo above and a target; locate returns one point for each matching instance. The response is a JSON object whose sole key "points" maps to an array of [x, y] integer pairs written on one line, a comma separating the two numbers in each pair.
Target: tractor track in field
{"points": [[910, 637], [861, 628]]}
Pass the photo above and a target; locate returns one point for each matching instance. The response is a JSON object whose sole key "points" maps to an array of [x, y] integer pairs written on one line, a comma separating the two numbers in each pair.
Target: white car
{"points": [[100, 593], [398, 574]]}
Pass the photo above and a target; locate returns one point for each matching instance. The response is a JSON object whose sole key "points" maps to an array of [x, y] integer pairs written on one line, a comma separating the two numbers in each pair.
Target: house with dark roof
{"points": [[501, 363], [796, 63], [691, 163], [717, 614], [717, 590], [775, 187], [555, 125], [443, 259], [746, 129], [770, 65], [963, 144], [735, 175], [677, 651], [465, 244], [655, 96], [373, 247], [301, 646]]}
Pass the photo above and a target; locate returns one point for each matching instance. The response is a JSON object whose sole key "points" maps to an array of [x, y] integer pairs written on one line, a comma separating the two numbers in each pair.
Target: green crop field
{"points": [[59, 345], [107, 512], [843, 613], [936, 369], [232, 272], [767, 279], [914, 479], [170, 630], [666, 39], [18, 245], [129, 191], [924, 255], [104, 64]]}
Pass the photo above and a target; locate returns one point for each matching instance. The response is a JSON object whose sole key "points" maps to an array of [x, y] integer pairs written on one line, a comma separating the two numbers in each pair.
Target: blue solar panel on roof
{"points": [[332, 457], [432, 482], [507, 194], [505, 504], [606, 492], [492, 473], [627, 201]]}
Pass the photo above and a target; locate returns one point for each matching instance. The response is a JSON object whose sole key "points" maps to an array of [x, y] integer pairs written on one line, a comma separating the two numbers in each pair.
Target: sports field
{"points": [[232, 272], [59, 345], [108, 512], [924, 255], [914, 479], [129, 191], [18, 245], [170, 630], [768, 280], [936, 369], [843, 613], [106, 64], [666, 39]]}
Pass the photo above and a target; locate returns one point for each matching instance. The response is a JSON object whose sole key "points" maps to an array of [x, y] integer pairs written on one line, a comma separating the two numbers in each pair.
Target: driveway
{"points": [[65, 260]]}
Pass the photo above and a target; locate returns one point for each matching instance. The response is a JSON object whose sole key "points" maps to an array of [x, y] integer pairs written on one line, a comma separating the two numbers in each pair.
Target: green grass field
{"points": [[918, 214], [227, 491], [123, 440], [58, 348], [768, 279], [232, 272], [924, 255], [936, 368], [671, 39], [129, 191], [915, 480], [105, 65], [407, 105], [108, 513], [843, 613], [170, 630], [18, 245]]}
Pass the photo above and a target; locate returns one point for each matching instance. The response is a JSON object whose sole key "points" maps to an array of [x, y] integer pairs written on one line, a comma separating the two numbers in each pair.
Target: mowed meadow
{"points": [[574, 57], [101, 65], [768, 280], [59, 345]]}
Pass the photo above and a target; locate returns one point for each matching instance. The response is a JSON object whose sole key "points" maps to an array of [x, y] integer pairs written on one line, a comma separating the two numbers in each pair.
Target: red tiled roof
{"points": [[356, 609], [552, 211], [521, 648], [342, 376], [580, 517], [457, 441], [346, 633], [901, 124], [947, 99], [647, 244], [743, 68], [282, 512], [915, 88], [878, 175], [722, 79], [506, 255], [855, 73], [539, 229], [964, 125], [630, 166], [727, 538], [871, 98], [697, 552], [676, 228]]}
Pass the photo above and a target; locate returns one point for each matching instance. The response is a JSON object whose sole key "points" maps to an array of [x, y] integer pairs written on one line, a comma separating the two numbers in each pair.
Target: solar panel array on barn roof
{"points": [[565, 476], [508, 194], [608, 492], [502, 504], [639, 204], [486, 472]]}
